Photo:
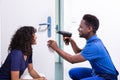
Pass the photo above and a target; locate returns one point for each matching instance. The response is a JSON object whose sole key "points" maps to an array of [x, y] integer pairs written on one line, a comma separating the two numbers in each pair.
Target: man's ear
{"points": [[90, 28]]}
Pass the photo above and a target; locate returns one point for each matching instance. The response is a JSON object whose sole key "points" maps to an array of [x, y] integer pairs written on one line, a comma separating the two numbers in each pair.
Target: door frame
{"points": [[59, 14]]}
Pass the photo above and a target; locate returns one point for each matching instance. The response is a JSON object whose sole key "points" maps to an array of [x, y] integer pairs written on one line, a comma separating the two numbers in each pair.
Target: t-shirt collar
{"points": [[92, 38]]}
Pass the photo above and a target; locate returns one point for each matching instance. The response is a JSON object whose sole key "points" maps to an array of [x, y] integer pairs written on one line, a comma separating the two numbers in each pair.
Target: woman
{"points": [[20, 55]]}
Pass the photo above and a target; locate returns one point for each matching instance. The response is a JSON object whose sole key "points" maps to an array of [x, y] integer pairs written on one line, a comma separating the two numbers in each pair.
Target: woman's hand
{"points": [[41, 78]]}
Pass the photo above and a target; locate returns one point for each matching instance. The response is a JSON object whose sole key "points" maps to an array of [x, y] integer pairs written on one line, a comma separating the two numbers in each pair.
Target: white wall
{"points": [[0, 35], [17, 13], [0, 41], [108, 13]]}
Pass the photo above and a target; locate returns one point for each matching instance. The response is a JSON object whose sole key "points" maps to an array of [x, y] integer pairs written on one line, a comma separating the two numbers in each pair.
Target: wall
{"points": [[0, 41], [108, 13], [0, 34], [17, 13]]}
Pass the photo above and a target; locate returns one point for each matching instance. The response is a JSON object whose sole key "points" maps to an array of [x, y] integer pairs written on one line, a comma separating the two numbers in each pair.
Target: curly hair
{"points": [[23, 39], [91, 20]]}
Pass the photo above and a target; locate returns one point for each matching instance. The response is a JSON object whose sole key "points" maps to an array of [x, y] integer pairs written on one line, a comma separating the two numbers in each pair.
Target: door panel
{"points": [[16, 13]]}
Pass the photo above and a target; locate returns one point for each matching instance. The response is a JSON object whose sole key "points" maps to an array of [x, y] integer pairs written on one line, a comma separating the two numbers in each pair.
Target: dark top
{"points": [[14, 62]]}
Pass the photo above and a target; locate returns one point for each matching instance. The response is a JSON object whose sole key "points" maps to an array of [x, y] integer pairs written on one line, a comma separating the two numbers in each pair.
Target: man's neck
{"points": [[90, 35]]}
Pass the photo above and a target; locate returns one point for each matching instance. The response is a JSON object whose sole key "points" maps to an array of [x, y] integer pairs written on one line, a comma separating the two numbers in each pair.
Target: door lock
{"points": [[48, 26]]}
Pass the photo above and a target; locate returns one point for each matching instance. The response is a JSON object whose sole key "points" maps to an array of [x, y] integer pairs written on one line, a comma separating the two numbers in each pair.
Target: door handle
{"points": [[48, 26]]}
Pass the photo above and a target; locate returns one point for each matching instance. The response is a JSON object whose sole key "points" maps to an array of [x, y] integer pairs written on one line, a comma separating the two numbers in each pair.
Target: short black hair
{"points": [[91, 20]]}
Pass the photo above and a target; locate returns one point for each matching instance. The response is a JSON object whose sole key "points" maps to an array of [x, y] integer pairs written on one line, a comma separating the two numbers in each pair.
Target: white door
{"points": [[16, 13], [108, 13]]}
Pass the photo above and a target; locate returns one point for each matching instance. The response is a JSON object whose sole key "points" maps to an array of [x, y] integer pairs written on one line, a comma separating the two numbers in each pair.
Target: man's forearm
{"points": [[76, 49], [65, 55]]}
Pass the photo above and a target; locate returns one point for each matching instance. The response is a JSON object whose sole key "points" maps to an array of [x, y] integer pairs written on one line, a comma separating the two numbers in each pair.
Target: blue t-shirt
{"points": [[98, 56], [14, 62]]}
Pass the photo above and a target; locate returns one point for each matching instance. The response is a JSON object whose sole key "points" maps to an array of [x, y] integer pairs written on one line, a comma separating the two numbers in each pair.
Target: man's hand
{"points": [[52, 44], [66, 40]]}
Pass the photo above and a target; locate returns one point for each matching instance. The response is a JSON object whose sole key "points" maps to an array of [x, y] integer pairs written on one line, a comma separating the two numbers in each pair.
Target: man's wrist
{"points": [[71, 40]]}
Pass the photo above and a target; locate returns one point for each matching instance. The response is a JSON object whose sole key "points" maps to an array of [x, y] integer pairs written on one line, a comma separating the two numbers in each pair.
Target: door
{"points": [[108, 13], [17, 13]]}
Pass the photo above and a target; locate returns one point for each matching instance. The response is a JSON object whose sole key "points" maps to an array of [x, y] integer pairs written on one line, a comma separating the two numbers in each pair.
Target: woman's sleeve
{"points": [[16, 58], [30, 59]]}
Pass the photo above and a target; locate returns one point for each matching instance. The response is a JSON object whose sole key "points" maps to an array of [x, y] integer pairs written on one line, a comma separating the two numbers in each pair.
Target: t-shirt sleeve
{"points": [[90, 52], [16, 58], [30, 59]]}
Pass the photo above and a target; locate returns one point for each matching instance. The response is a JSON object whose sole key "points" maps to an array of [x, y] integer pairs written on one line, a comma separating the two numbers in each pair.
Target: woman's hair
{"points": [[91, 20], [23, 39]]}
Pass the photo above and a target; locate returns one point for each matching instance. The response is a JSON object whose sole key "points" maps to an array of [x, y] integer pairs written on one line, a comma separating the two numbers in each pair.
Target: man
{"points": [[94, 51]]}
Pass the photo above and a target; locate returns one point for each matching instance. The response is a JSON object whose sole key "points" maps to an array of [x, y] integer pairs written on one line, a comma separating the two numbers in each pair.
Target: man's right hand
{"points": [[66, 40]]}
